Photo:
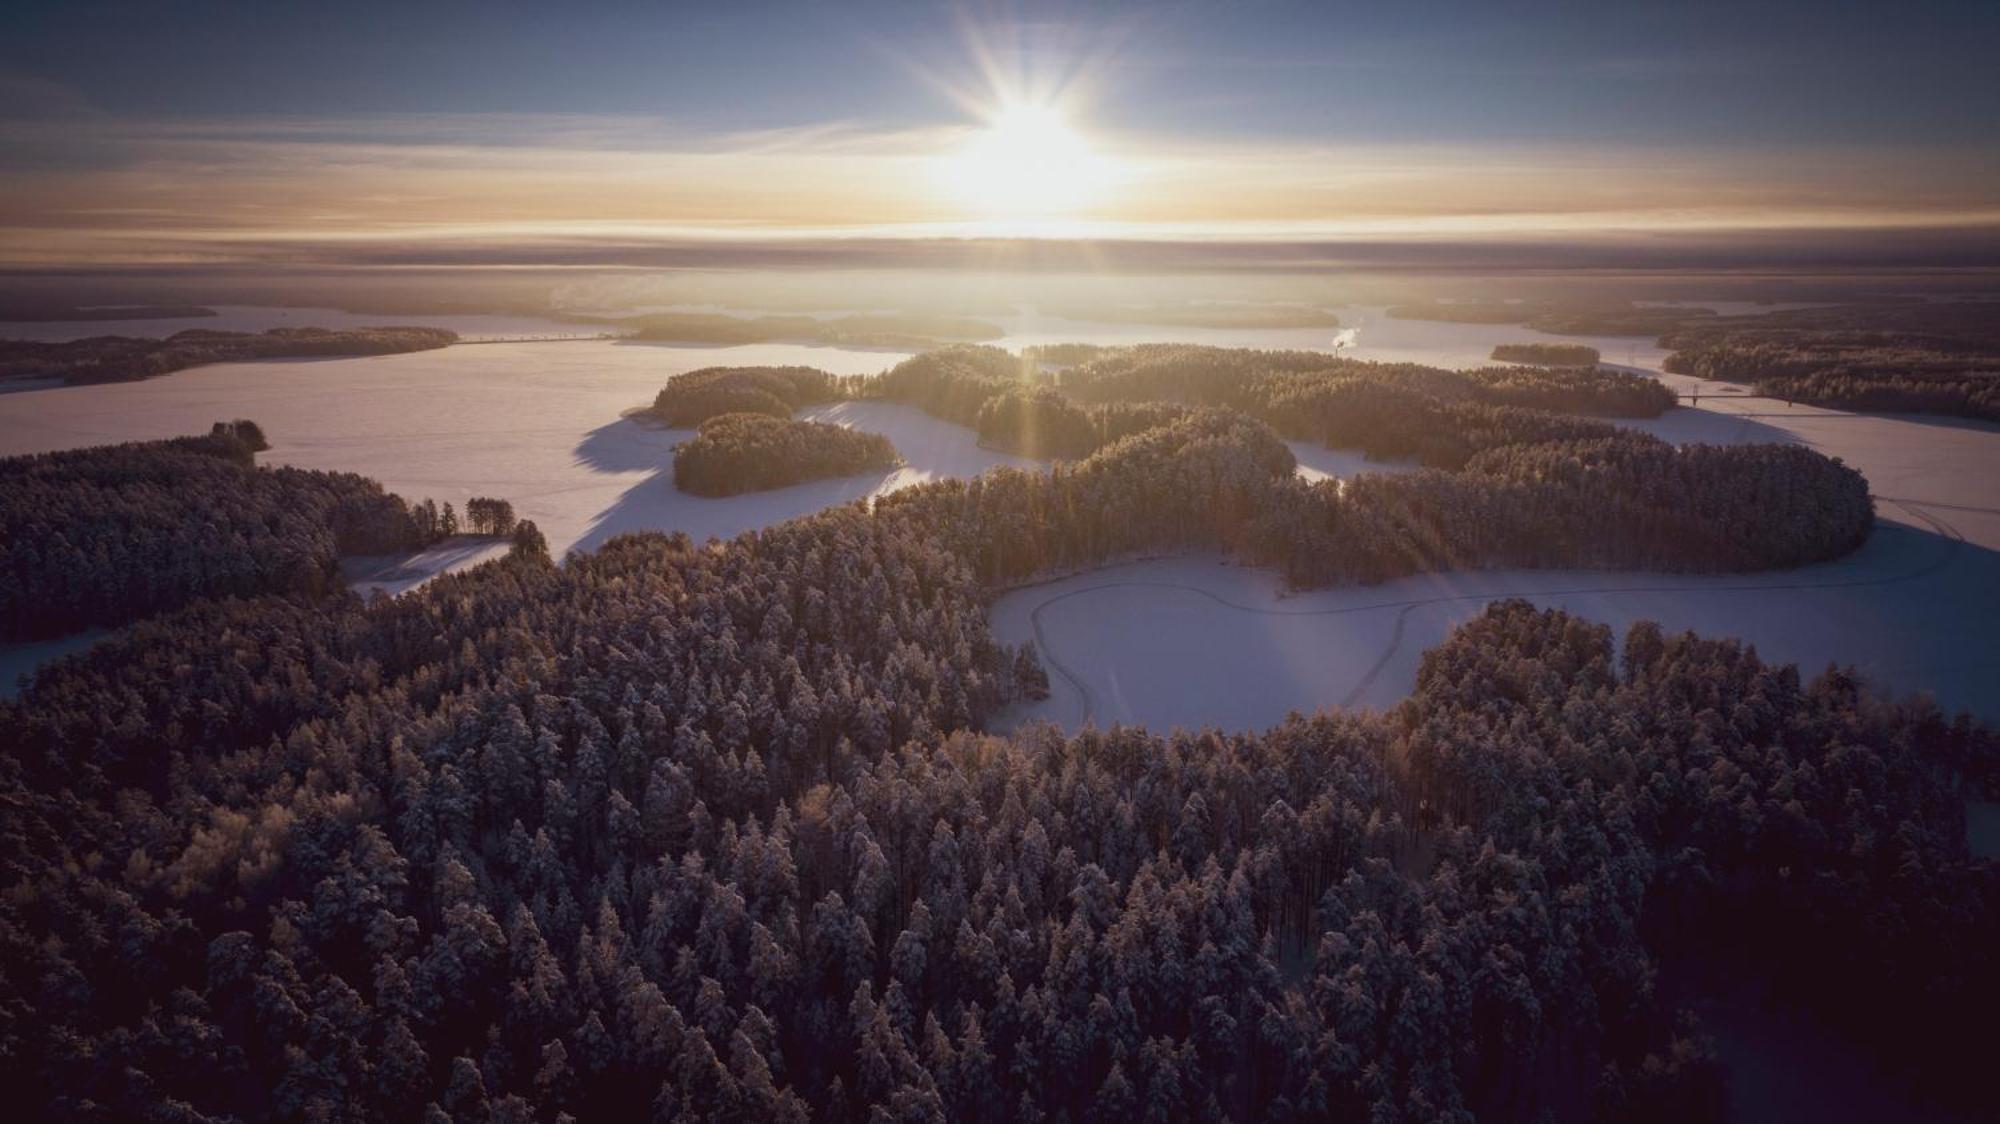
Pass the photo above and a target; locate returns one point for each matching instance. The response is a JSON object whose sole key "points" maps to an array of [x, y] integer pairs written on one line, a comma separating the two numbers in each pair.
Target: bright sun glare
{"points": [[1028, 164]]}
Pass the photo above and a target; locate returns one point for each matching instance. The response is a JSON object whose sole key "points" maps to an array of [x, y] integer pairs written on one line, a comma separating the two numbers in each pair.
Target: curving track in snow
{"points": [[1952, 543]]}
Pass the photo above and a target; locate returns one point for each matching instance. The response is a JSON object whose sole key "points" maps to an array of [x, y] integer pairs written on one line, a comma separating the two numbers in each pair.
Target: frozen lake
{"points": [[1197, 642], [537, 423], [540, 424]]}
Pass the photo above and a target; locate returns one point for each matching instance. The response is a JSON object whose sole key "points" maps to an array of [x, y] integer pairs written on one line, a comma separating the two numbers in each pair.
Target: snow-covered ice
{"points": [[541, 425], [1195, 642], [536, 423]]}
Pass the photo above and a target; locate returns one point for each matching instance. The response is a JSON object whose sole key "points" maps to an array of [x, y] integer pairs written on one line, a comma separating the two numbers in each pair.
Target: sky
{"points": [[441, 133]]}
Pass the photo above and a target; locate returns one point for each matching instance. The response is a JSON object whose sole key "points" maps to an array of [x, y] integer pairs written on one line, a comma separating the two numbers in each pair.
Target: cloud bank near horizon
{"points": [[87, 190]]}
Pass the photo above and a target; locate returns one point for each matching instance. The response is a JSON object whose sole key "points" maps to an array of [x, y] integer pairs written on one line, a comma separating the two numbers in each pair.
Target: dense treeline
{"points": [[697, 396], [1598, 392], [105, 535], [1562, 318], [707, 833], [1547, 354], [1941, 358], [734, 453], [1524, 487], [1463, 312], [486, 515], [1385, 409], [1044, 423], [907, 330], [955, 383], [1065, 354], [1624, 501], [126, 358]]}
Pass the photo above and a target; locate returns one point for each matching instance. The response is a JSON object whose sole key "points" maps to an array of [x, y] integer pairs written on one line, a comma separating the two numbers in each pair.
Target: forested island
{"points": [[1204, 314], [1563, 318], [883, 330], [1547, 354], [107, 535], [1065, 354], [693, 398], [734, 453], [688, 831], [1935, 357], [1465, 312], [28, 310], [128, 358], [1387, 410]]}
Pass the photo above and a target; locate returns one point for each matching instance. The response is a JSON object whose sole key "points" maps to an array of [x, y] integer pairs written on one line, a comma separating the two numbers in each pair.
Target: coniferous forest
{"points": [[734, 453], [999, 562], [127, 358], [711, 832], [106, 535], [1547, 354], [697, 396], [1934, 358]]}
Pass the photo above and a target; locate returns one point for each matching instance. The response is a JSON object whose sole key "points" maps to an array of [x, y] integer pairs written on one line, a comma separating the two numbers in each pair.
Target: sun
{"points": [[1027, 164]]}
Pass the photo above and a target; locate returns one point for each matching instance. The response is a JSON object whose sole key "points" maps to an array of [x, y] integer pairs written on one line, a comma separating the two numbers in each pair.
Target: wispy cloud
{"points": [[105, 190]]}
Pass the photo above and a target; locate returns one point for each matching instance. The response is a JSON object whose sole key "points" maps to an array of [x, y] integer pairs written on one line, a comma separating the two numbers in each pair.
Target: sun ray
{"points": [[1027, 164]]}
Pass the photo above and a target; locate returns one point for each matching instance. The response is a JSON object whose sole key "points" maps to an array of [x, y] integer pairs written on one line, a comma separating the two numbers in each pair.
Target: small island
{"points": [[1547, 354], [777, 392], [30, 311], [736, 453], [130, 358]]}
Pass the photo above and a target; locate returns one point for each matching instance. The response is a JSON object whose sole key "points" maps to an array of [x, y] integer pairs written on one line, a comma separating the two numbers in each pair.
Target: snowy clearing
{"points": [[1317, 462], [392, 574]]}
